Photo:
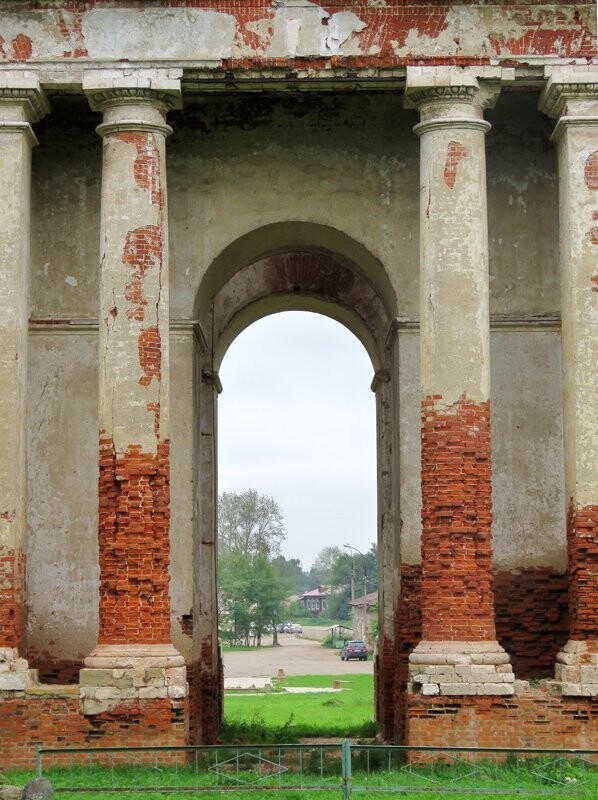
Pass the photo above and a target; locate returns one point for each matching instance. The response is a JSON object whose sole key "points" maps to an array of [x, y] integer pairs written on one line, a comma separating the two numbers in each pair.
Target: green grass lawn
{"points": [[282, 717]]}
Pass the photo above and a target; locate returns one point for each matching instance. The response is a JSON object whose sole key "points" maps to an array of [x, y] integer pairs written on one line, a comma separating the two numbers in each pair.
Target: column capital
{"points": [[448, 85], [22, 102], [22, 88], [137, 100], [381, 376], [570, 91]]}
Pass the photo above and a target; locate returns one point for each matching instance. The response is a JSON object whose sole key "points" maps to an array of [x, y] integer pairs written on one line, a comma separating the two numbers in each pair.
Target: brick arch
{"points": [[300, 280], [284, 238]]}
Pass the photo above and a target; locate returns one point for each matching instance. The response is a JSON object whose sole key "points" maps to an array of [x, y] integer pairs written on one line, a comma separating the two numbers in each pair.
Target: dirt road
{"points": [[296, 656]]}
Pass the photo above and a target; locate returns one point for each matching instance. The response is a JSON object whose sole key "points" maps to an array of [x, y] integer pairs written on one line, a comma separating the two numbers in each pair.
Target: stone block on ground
{"points": [[38, 789]]}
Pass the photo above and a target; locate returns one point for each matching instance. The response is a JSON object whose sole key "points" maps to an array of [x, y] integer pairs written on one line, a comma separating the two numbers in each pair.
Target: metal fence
{"points": [[346, 768]]}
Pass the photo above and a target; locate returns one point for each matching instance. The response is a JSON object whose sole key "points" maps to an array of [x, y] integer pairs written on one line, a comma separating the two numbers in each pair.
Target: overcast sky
{"points": [[296, 421]]}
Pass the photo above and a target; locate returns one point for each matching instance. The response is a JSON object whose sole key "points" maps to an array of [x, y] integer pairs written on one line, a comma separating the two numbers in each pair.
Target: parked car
{"points": [[354, 650], [289, 627]]}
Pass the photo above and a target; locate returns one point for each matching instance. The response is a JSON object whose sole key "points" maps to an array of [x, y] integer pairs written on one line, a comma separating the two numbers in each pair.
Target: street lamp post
{"points": [[365, 584]]}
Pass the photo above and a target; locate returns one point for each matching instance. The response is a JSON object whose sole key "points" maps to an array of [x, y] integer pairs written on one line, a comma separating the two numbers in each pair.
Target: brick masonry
{"points": [[582, 546], [206, 693], [53, 718], [389, 34], [12, 596], [532, 624], [535, 719], [458, 602], [456, 152], [134, 545]]}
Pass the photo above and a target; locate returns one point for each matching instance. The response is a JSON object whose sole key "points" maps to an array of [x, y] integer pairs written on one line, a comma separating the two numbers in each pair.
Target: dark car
{"points": [[354, 650]]}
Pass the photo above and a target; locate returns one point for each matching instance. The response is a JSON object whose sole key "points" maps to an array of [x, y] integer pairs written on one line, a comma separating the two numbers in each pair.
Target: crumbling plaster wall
{"points": [[236, 164]]}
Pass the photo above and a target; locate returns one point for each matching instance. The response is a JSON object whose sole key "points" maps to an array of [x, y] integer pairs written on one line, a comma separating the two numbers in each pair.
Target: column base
{"points": [[460, 668], [114, 674], [15, 675], [576, 668]]}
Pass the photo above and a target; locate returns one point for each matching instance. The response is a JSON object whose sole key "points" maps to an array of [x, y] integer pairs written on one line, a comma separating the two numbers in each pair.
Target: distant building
{"points": [[314, 601]]}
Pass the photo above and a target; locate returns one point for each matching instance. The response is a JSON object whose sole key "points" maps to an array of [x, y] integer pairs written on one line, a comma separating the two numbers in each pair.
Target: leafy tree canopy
{"points": [[249, 523]]}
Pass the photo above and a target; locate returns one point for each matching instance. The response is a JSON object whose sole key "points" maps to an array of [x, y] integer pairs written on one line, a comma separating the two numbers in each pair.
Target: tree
{"points": [[254, 579], [250, 523], [322, 569], [251, 597], [291, 571]]}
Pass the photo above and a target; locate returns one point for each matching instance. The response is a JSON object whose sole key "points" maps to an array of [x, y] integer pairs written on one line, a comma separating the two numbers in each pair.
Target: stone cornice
{"points": [[498, 322], [91, 325]]}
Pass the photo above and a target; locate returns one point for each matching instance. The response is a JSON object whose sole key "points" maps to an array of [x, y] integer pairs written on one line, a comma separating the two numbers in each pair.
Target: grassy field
{"points": [[282, 717]]}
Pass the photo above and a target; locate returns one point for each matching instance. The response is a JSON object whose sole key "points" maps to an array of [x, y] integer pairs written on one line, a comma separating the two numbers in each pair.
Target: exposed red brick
{"points": [[206, 693], [532, 618], [134, 498], [147, 163], [12, 596], [582, 548], [387, 27], [455, 153], [57, 721], [21, 47], [458, 603], [590, 172], [150, 354], [70, 24], [61, 671], [535, 720], [142, 251]]}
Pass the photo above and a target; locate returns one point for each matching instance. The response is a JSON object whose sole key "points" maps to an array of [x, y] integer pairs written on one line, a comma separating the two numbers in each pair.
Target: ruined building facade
{"points": [[426, 174]]}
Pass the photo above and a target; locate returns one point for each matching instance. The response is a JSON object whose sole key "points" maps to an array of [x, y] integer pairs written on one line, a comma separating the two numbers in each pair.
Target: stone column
{"points": [[134, 466], [21, 103], [207, 664], [571, 96], [386, 658], [458, 653]]}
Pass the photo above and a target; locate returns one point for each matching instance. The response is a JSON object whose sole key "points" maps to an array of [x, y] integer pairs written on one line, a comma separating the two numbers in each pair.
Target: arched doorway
{"points": [[307, 267]]}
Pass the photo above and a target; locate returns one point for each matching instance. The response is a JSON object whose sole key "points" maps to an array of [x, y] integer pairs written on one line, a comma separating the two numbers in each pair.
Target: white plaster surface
{"points": [[289, 28], [346, 166]]}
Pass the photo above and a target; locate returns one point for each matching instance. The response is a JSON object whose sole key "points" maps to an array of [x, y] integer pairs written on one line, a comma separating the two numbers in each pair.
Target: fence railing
{"points": [[348, 768]]}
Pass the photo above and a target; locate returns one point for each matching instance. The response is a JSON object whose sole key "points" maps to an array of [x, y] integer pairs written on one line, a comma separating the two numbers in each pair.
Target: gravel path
{"points": [[296, 656]]}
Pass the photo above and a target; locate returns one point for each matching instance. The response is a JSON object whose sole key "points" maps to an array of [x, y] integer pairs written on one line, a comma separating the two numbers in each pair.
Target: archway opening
{"points": [[297, 525], [310, 268]]}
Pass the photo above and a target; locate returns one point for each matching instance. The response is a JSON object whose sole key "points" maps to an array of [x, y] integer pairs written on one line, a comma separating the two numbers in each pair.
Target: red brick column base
{"points": [[534, 719], [53, 717], [577, 662], [458, 654]]}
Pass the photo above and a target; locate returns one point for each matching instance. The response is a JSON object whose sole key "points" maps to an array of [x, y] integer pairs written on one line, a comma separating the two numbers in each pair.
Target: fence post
{"points": [[346, 765]]}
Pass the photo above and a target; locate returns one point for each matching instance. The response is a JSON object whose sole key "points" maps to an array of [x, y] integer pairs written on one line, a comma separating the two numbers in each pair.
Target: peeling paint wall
{"points": [[236, 165], [229, 32]]}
